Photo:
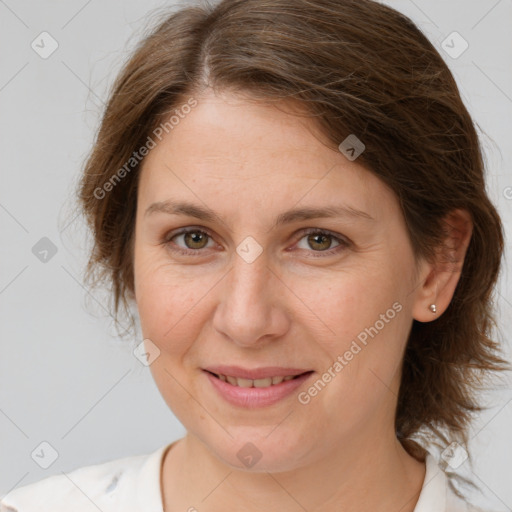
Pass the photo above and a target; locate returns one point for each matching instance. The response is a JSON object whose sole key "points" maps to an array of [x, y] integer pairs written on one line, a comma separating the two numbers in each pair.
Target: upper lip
{"points": [[255, 373]]}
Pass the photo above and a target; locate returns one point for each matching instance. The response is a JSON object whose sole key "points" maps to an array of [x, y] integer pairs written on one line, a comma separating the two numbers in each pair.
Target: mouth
{"points": [[255, 383], [268, 385]]}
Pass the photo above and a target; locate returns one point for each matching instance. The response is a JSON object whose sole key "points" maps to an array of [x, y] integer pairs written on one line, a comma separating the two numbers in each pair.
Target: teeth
{"points": [[245, 383], [256, 383], [264, 383]]}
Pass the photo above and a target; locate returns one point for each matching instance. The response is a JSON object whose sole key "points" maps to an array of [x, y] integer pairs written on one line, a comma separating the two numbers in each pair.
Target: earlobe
{"points": [[426, 307], [436, 289]]}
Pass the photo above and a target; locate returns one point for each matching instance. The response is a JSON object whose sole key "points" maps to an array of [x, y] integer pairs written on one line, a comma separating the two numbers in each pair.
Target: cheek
{"points": [[369, 311], [168, 306], [368, 315], [344, 306]]}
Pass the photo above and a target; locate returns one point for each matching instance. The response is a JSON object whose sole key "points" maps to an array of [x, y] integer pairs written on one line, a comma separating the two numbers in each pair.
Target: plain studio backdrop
{"points": [[68, 388]]}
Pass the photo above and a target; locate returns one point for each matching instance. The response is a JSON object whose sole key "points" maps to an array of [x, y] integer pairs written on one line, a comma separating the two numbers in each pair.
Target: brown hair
{"points": [[357, 67]]}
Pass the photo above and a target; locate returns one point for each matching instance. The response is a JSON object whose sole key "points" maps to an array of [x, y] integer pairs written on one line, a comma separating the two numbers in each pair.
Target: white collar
{"points": [[149, 490], [433, 490]]}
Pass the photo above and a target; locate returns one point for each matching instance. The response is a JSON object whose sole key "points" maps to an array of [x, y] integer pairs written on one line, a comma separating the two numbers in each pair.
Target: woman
{"points": [[291, 194]]}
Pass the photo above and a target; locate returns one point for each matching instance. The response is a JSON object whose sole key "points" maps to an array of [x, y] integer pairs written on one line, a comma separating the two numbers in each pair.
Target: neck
{"points": [[364, 476]]}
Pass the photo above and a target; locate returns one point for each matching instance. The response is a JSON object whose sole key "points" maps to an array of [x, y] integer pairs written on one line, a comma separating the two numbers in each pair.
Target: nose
{"points": [[251, 309]]}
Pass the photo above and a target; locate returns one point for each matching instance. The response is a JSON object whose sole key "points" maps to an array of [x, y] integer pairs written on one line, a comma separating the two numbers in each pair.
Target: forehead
{"points": [[229, 148], [234, 127]]}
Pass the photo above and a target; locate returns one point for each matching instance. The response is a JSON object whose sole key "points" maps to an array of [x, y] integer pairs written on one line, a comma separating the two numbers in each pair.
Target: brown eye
{"points": [[320, 241], [195, 239], [317, 241], [188, 241]]}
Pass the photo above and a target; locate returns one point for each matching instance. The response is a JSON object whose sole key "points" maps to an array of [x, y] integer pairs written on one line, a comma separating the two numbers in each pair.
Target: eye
{"points": [[320, 240], [193, 240]]}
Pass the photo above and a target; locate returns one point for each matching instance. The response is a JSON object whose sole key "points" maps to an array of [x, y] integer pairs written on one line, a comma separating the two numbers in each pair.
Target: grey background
{"points": [[64, 378]]}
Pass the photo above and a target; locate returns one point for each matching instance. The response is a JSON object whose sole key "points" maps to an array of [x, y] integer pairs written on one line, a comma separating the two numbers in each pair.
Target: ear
{"points": [[439, 278]]}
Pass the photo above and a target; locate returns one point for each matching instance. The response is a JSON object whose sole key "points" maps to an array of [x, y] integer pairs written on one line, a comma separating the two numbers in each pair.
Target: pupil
{"points": [[195, 237], [325, 238]]}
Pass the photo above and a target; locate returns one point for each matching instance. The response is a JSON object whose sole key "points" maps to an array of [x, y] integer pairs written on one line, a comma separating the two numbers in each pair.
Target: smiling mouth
{"points": [[256, 383]]}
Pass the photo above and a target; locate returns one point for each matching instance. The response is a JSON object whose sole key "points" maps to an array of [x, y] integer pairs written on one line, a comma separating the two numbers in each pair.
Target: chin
{"points": [[259, 450]]}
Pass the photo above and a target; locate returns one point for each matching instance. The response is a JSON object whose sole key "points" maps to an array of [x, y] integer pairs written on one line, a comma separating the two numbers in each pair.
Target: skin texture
{"points": [[294, 306]]}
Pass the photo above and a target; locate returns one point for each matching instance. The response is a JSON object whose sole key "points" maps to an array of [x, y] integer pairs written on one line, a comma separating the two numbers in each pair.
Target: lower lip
{"points": [[256, 397]]}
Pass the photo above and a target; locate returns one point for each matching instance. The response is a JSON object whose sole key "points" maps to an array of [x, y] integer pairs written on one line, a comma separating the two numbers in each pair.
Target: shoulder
{"points": [[454, 503], [109, 486], [438, 492]]}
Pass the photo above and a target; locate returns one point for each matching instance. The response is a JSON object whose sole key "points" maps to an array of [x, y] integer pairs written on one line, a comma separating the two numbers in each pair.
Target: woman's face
{"points": [[297, 261]]}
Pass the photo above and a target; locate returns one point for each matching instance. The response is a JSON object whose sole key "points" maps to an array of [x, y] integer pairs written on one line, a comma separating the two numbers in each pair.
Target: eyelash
{"points": [[343, 243]]}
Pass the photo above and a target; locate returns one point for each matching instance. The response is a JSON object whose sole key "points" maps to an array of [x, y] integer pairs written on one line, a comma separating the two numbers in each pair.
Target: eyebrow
{"points": [[297, 214]]}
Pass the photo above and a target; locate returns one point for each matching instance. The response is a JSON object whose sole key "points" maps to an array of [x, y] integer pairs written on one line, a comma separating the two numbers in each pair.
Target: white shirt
{"points": [[132, 484]]}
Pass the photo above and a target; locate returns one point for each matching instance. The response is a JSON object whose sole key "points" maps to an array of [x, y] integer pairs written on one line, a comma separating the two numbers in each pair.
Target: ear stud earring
{"points": [[432, 307]]}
